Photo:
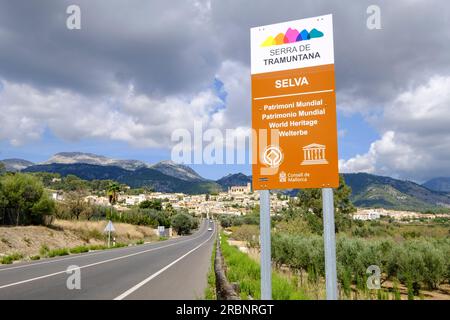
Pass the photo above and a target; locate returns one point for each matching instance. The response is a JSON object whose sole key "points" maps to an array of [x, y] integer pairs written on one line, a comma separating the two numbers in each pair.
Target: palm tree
{"points": [[113, 192], [113, 195]]}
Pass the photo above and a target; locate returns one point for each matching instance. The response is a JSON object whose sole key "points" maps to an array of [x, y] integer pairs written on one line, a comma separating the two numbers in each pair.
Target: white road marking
{"points": [[143, 282], [95, 263], [76, 256]]}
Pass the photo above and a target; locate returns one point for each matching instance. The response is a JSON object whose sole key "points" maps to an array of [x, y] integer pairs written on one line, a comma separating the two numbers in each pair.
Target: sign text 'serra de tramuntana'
{"points": [[294, 105]]}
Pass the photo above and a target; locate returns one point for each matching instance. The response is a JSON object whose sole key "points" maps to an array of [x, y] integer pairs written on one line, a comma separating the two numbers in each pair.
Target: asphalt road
{"points": [[171, 269]]}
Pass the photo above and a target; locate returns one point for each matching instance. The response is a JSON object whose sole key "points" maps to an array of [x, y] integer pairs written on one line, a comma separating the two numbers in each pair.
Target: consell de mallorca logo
{"points": [[291, 36]]}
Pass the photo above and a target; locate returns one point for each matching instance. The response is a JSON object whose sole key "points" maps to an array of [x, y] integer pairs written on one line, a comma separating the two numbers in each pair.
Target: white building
{"points": [[366, 215]]}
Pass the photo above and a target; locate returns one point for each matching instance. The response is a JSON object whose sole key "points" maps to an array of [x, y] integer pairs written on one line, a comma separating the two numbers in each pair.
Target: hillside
{"points": [[176, 170], [90, 158], [369, 190], [237, 179], [134, 178], [441, 184], [14, 165], [168, 168]]}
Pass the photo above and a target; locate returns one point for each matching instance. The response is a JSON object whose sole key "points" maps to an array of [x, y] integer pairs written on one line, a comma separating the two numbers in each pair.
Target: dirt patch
{"points": [[66, 234], [93, 230]]}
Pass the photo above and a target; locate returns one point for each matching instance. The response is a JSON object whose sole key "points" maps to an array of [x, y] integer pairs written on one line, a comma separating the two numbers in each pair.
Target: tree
{"points": [[42, 208], [170, 211], [113, 192], [182, 223], [76, 204], [155, 204], [73, 183], [23, 200], [310, 203]]}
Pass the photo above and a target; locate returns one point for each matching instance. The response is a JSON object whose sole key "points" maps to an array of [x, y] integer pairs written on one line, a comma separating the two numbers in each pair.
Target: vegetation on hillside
{"points": [[139, 178], [23, 200]]}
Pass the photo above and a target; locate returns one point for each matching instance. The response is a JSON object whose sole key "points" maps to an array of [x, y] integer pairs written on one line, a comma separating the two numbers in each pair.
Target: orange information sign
{"points": [[294, 105]]}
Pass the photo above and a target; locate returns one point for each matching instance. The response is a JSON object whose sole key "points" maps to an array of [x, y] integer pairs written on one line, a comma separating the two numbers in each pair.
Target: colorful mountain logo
{"points": [[291, 36]]}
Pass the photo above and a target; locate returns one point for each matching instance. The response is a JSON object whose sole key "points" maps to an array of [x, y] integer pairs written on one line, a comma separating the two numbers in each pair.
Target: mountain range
{"points": [[368, 190], [438, 184]]}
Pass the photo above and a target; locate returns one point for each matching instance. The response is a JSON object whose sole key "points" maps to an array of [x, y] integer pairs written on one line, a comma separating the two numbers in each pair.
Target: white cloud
{"points": [[236, 83], [138, 119], [415, 139], [126, 115]]}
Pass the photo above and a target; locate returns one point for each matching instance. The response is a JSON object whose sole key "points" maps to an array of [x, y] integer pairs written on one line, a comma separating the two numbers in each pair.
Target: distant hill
{"points": [[441, 184], [134, 178], [177, 170], [169, 168], [14, 165], [90, 158], [237, 179], [370, 190]]}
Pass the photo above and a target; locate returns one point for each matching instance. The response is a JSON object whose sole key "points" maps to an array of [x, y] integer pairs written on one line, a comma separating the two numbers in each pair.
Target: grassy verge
{"points": [[246, 272], [11, 258], [46, 252], [210, 291]]}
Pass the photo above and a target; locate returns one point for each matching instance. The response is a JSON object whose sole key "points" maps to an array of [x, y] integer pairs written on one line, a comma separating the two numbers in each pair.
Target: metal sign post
{"points": [[329, 241], [294, 123], [109, 228], [266, 265]]}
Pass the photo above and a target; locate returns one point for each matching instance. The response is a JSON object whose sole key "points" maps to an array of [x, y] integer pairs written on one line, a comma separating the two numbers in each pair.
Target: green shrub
{"points": [[79, 249], [183, 223], [57, 252], [36, 257], [44, 250], [120, 245], [11, 258], [417, 262], [97, 247]]}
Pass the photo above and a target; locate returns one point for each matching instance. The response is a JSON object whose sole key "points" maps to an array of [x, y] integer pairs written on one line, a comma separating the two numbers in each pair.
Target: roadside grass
{"points": [[45, 252], [246, 272], [58, 252], [79, 249], [11, 258], [210, 290], [87, 234]]}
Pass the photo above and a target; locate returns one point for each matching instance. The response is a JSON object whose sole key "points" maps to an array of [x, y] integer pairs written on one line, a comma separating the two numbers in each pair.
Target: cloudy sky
{"points": [[140, 69]]}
